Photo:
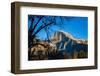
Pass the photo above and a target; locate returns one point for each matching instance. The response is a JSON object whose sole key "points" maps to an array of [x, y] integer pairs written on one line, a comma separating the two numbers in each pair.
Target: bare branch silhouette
{"points": [[39, 23]]}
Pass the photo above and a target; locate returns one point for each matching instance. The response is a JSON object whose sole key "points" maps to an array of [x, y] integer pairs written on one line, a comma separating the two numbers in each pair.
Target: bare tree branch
{"points": [[32, 20], [37, 23], [41, 27]]}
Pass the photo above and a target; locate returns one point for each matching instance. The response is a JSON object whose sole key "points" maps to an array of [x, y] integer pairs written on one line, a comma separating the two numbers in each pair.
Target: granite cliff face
{"points": [[66, 43]]}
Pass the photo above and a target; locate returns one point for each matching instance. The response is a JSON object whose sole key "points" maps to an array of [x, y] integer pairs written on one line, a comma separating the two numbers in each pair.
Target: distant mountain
{"points": [[65, 42]]}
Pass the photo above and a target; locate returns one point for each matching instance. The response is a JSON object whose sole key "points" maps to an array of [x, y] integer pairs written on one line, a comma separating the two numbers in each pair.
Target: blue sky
{"points": [[77, 26]]}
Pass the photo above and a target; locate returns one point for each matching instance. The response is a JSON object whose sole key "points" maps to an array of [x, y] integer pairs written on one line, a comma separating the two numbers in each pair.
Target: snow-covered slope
{"points": [[59, 35]]}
